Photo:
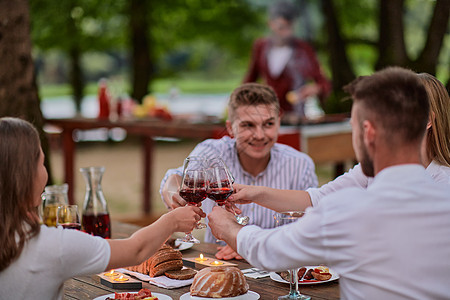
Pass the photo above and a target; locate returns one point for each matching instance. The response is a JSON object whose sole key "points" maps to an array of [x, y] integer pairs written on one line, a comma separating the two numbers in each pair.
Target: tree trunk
{"points": [[391, 43], [428, 59], [341, 69], [75, 53], [76, 77], [18, 89], [141, 62]]}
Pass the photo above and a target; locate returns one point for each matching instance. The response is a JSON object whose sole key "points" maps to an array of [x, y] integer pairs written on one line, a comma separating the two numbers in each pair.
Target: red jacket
{"points": [[303, 60]]}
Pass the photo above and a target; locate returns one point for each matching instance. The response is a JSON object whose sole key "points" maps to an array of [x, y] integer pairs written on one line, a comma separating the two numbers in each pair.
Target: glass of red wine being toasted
{"points": [[193, 188], [220, 185]]}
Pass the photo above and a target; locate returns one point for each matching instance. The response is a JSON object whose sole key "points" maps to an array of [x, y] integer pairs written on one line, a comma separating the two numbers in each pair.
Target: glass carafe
{"points": [[95, 219], [53, 196]]}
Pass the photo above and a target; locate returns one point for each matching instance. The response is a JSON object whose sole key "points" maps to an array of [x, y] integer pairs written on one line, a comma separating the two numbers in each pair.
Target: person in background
{"points": [[435, 155], [287, 64], [30, 250], [377, 238], [251, 154]]}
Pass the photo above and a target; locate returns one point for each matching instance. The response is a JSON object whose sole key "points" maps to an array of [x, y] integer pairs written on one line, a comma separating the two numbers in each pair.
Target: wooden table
{"points": [[325, 140], [146, 129], [89, 287]]}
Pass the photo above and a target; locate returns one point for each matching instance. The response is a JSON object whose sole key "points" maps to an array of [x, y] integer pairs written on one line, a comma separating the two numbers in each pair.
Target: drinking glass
{"points": [[68, 217], [281, 219], [220, 185], [193, 188], [53, 196]]}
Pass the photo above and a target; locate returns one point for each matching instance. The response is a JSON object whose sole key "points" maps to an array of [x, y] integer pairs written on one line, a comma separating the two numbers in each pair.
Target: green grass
{"points": [[189, 84], [194, 85], [56, 90]]}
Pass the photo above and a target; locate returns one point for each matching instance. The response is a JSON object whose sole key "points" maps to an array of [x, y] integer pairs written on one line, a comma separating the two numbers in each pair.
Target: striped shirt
{"points": [[287, 169]]}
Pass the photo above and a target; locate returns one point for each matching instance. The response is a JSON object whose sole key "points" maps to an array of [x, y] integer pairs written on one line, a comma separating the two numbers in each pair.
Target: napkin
{"points": [[255, 273], [161, 281]]}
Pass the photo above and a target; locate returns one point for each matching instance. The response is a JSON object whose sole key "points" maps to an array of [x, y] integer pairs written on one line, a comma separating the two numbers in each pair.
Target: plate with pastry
{"points": [[164, 269], [221, 282], [307, 275], [250, 295], [142, 294]]}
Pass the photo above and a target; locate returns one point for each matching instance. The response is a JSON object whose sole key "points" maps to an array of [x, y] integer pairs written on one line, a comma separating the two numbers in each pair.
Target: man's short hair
{"points": [[284, 9], [252, 94], [395, 99]]}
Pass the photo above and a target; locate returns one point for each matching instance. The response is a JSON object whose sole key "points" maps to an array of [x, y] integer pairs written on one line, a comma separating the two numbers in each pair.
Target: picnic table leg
{"points": [[147, 142]]}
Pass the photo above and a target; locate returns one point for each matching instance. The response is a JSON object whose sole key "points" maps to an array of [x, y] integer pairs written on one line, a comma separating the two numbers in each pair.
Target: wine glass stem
{"points": [[232, 208], [294, 283]]}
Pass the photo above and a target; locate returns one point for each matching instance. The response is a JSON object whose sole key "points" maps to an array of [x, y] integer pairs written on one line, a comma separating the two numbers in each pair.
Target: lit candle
{"points": [[217, 263], [112, 274], [121, 278], [201, 258]]}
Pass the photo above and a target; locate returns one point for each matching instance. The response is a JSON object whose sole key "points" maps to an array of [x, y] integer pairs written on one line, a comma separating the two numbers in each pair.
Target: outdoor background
{"points": [[189, 55]]}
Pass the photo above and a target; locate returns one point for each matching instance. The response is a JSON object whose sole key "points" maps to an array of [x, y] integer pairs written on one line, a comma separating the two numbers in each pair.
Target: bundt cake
{"points": [[219, 282]]}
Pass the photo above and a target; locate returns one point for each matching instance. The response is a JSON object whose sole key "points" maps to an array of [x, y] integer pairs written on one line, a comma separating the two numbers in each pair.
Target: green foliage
{"points": [[90, 25]]}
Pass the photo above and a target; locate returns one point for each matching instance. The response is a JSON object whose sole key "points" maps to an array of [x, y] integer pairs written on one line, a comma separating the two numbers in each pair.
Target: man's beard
{"points": [[366, 162]]}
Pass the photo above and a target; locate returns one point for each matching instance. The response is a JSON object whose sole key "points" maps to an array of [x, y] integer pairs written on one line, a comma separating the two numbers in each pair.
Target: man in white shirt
{"points": [[389, 241]]}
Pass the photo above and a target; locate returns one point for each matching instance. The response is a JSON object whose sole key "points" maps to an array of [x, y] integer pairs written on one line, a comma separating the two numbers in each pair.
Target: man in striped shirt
{"points": [[251, 154]]}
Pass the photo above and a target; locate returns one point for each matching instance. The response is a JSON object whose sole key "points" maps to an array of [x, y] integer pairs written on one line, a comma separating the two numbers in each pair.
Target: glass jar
{"points": [[95, 218], [53, 196]]}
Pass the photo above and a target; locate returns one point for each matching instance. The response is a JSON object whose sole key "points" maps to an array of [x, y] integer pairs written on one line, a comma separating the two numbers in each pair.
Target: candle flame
{"points": [[201, 256], [121, 277], [112, 272]]}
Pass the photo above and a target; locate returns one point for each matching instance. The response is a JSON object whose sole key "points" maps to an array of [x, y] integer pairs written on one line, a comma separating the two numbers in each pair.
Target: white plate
{"points": [[275, 277], [183, 245], [247, 296], [160, 296]]}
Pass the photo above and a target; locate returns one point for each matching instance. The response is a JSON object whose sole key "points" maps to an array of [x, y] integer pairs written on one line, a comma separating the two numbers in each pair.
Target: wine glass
{"points": [[220, 185], [281, 219], [193, 188], [68, 217]]}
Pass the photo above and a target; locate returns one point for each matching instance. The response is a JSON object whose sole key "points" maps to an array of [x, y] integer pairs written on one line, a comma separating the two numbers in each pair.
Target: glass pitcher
{"points": [[95, 218], [53, 196]]}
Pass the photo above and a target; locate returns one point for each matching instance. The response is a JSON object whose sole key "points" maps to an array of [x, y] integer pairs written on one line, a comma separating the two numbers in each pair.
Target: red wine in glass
{"points": [[220, 195], [193, 196], [98, 225], [76, 226]]}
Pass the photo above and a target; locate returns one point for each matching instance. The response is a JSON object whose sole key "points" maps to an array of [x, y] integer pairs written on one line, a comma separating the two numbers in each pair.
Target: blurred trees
{"points": [[147, 30], [18, 90], [75, 27], [164, 38], [390, 32]]}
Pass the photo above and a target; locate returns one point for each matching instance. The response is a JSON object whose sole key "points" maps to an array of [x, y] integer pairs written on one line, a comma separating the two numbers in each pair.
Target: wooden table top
{"points": [[89, 287]]}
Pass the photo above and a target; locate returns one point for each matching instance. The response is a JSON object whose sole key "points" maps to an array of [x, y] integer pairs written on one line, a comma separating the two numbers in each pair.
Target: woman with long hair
{"points": [[30, 251]]}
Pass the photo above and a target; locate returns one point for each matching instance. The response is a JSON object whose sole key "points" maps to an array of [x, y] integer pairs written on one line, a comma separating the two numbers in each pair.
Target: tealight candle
{"points": [[112, 274], [121, 278], [217, 263], [201, 258]]}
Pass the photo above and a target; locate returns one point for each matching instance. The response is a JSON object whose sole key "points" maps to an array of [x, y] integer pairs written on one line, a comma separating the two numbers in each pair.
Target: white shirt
{"points": [[287, 169], [356, 178], [52, 257], [277, 59], [389, 241]]}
